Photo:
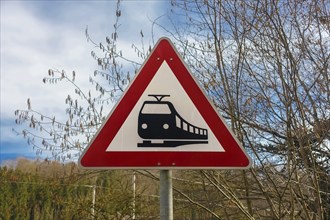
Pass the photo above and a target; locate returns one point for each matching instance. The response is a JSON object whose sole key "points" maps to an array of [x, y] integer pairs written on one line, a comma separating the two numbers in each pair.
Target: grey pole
{"points": [[93, 201], [134, 189], [166, 195]]}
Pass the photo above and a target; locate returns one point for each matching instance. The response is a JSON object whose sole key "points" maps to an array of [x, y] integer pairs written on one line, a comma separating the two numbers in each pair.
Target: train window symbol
{"points": [[160, 125], [159, 108]]}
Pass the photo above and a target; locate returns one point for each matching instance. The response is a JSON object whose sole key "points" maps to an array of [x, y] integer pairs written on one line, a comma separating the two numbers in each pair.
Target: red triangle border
{"points": [[96, 156]]}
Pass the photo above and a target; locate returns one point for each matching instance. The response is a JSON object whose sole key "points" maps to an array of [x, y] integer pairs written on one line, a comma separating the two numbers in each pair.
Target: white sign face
{"points": [[165, 98]]}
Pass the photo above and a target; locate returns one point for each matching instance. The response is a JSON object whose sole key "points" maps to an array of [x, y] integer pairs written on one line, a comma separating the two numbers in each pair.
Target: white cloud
{"points": [[29, 47], [38, 35]]}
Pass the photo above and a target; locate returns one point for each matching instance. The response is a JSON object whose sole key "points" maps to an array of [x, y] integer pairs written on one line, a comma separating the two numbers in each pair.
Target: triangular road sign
{"points": [[164, 121]]}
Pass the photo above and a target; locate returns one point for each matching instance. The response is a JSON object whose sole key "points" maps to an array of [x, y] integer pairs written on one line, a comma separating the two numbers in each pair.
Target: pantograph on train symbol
{"points": [[159, 121]]}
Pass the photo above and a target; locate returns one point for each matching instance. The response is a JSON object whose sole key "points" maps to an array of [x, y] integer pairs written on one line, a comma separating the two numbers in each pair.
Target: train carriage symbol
{"points": [[160, 125]]}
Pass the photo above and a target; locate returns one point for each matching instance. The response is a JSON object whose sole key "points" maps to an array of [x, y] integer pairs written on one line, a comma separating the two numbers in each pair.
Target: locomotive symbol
{"points": [[160, 125]]}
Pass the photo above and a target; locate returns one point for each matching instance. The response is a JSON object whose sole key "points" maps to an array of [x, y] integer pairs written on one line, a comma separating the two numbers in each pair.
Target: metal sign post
{"points": [[166, 195]]}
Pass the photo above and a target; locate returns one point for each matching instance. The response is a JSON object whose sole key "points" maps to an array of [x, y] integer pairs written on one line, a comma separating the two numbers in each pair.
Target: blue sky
{"points": [[39, 35]]}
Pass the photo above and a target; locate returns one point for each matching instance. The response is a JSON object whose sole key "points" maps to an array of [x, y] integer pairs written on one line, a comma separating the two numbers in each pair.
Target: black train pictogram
{"points": [[160, 125]]}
